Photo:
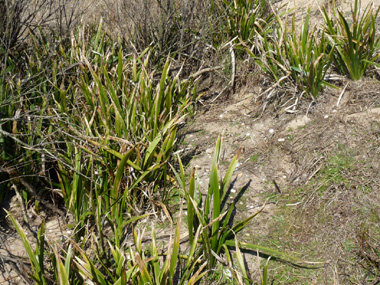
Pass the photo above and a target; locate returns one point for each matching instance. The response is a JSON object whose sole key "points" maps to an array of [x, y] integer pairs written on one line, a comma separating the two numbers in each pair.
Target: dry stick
{"points": [[221, 260], [233, 65], [19, 198], [274, 86], [341, 94], [33, 192], [200, 72], [221, 92]]}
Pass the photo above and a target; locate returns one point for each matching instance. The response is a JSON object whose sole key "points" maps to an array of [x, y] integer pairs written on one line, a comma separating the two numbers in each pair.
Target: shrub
{"points": [[299, 57], [354, 41]]}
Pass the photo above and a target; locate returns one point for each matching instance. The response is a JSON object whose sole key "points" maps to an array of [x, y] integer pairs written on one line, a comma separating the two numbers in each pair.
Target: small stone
{"points": [[228, 273], [197, 166], [233, 191], [247, 134], [326, 116], [271, 131], [220, 116], [281, 140]]}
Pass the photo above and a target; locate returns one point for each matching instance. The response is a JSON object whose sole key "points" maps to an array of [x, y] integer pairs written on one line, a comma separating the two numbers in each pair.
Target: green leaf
{"points": [[37, 270], [276, 254], [144, 273]]}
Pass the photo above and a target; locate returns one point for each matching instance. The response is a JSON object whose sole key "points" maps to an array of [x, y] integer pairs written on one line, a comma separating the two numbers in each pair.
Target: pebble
{"points": [[228, 273], [233, 190], [271, 131], [326, 116], [220, 116], [281, 140]]}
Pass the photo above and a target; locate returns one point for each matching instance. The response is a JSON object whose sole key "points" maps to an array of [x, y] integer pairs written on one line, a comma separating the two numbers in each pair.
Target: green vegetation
{"points": [[353, 40], [89, 122], [303, 58], [254, 157]]}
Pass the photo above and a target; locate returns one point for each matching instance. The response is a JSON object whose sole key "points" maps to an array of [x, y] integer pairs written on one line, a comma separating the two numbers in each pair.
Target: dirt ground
{"points": [[315, 166], [284, 160]]}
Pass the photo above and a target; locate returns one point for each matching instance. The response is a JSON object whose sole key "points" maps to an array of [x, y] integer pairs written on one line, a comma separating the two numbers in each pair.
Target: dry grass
{"points": [[329, 211]]}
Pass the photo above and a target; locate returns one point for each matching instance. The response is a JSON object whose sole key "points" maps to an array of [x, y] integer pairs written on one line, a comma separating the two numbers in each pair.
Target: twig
{"points": [[274, 86], [22, 205], [232, 65], [32, 191], [341, 95], [276, 186], [200, 72], [221, 92]]}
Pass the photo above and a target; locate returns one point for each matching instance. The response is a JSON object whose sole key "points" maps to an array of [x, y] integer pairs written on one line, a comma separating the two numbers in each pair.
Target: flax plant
{"points": [[354, 40], [97, 119], [241, 19], [209, 222], [299, 57], [36, 256]]}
